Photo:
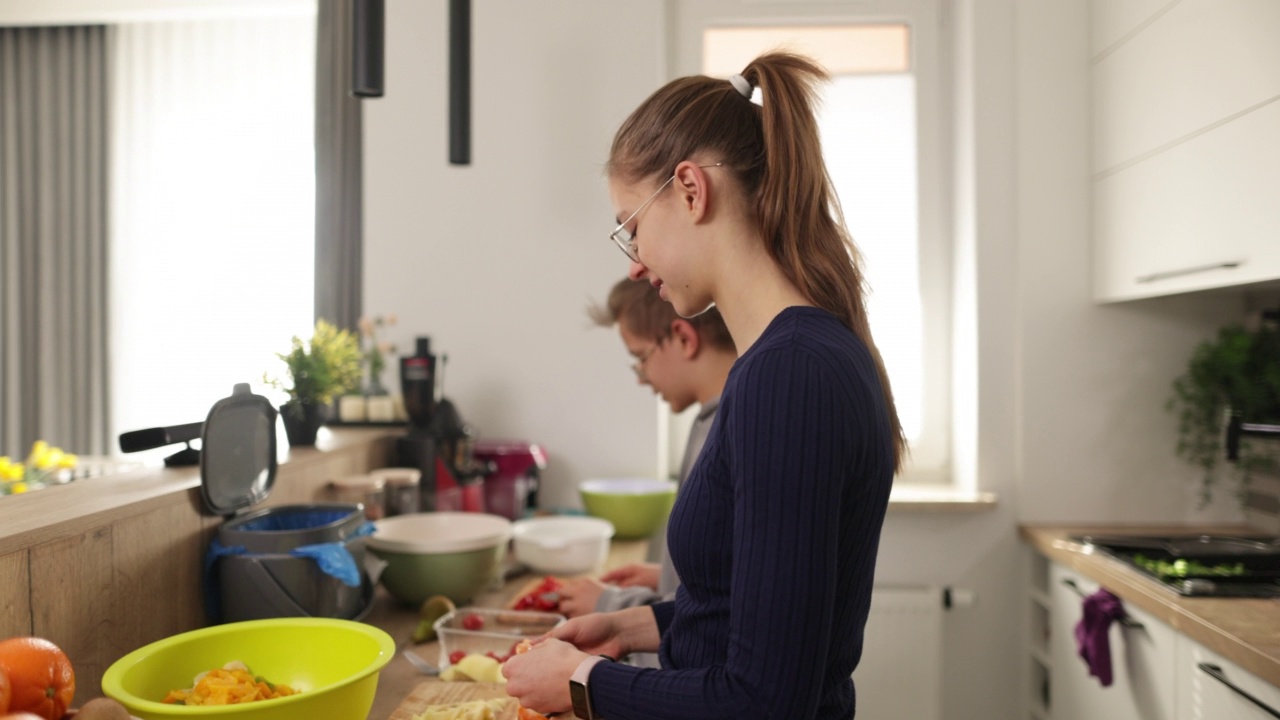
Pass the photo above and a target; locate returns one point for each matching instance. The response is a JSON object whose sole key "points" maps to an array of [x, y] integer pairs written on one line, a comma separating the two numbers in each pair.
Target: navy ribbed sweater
{"points": [[774, 536]]}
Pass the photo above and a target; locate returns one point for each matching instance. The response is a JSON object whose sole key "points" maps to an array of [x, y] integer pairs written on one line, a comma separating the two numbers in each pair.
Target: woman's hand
{"points": [[615, 634], [579, 596], [539, 678], [635, 574]]}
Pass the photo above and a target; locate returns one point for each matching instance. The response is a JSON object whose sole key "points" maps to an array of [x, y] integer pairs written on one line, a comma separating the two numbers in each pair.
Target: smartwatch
{"points": [[578, 692]]}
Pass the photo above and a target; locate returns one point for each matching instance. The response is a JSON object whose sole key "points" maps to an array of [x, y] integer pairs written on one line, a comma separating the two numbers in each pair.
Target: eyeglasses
{"points": [[624, 238], [638, 366]]}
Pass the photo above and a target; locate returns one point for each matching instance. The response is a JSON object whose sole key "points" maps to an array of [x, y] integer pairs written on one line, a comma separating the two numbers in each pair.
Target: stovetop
{"points": [[1200, 565]]}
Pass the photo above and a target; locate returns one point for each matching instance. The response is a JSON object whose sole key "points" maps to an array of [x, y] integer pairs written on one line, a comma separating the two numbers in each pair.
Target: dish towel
{"points": [[1100, 610]]}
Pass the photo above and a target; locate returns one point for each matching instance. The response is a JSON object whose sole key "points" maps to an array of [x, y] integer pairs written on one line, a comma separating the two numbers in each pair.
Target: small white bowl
{"points": [[563, 545]]}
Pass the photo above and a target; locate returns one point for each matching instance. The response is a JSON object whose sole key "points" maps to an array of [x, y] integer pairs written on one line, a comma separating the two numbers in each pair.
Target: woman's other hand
{"points": [[615, 634], [539, 678], [579, 596], [634, 575]]}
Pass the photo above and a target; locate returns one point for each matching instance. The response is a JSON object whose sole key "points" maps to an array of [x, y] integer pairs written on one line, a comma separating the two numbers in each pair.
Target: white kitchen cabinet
{"points": [[1186, 167], [1143, 660], [1205, 691]]}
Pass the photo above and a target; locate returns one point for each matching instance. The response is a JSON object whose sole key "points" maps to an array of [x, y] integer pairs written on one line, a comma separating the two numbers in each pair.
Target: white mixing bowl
{"points": [[563, 545]]}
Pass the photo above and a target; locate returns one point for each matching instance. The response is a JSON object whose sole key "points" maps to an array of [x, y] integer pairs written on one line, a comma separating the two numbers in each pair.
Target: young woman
{"points": [[775, 532]]}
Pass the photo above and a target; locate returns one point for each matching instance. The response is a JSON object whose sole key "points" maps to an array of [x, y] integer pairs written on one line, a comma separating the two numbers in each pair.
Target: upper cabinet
{"points": [[1186, 145]]}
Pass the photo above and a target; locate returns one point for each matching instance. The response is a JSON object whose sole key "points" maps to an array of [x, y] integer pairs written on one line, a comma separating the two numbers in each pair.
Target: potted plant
{"points": [[1237, 374], [318, 372]]}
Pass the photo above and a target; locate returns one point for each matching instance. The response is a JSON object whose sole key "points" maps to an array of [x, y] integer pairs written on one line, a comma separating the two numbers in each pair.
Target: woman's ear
{"points": [[694, 188], [686, 335]]}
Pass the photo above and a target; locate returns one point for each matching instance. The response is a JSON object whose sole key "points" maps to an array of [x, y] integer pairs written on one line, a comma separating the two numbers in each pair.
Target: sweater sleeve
{"points": [[792, 435], [619, 598]]}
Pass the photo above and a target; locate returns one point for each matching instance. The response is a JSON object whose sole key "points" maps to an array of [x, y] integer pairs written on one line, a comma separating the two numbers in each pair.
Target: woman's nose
{"points": [[637, 271]]}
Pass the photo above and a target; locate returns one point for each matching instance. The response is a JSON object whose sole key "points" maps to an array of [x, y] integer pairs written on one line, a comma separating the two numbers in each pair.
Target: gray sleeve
{"points": [[617, 598]]}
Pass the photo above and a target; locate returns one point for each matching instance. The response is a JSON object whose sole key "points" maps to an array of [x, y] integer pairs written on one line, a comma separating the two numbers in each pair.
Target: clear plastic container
{"points": [[497, 632]]}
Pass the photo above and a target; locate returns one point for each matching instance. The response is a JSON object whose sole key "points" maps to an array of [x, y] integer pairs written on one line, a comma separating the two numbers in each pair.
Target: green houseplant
{"points": [[1236, 373], [318, 371]]}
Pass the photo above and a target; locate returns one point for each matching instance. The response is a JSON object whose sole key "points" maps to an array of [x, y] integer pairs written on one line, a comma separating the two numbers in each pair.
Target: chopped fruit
{"points": [[545, 597]]}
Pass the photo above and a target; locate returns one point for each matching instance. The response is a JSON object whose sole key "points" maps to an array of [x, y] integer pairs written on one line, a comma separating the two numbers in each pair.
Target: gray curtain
{"points": [[339, 177], [53, 239]]}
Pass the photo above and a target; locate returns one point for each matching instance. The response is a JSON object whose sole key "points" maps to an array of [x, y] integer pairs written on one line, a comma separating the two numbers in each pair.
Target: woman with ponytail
{"points": [[728, 202]]}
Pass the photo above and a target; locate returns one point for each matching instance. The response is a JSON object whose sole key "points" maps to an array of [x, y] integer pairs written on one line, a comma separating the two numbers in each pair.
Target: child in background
{"points": [[685, 361]]}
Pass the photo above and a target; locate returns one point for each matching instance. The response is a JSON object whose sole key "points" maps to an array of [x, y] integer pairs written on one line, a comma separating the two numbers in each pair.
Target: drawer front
{"points": [[1205, 689], [1143, 657]]}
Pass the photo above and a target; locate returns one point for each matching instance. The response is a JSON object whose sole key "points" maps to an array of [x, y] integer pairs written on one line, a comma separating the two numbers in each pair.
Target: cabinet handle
{"points": [[1166, 274], [1216, 673], [1124, 620]]}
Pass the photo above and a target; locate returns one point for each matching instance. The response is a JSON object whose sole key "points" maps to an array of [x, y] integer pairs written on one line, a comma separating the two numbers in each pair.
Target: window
{"points": [[212, 262], [883, 159]]}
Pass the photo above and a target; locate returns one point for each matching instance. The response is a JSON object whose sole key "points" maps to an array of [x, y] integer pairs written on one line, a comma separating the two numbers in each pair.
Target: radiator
{"points": [[900, 674]]}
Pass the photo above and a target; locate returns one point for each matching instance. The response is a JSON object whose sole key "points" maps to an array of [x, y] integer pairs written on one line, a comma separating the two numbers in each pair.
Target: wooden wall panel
{"points": [[71, 600], [157, 586], [15, 605]]}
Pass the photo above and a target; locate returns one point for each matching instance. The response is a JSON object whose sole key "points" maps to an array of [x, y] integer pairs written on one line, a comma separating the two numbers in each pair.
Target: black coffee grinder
{"points": [[417, 449]]}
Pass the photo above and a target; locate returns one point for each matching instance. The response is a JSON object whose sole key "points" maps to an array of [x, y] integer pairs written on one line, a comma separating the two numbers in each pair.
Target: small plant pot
{"points": [[302, 421]]}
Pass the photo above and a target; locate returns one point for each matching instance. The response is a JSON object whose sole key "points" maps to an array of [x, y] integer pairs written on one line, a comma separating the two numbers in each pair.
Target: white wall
{"points": [[497, 261]]}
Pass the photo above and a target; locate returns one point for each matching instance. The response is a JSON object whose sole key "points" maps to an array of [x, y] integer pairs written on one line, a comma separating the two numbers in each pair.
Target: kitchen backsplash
{"points": [[1262, 503]]}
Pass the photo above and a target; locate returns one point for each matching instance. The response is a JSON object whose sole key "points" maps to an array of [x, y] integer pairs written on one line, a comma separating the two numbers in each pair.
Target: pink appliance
{"points": [[511, 486]]}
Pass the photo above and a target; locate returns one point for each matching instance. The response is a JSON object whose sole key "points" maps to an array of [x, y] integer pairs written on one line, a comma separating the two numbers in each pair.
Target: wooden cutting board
{"points": [[438, 692]]}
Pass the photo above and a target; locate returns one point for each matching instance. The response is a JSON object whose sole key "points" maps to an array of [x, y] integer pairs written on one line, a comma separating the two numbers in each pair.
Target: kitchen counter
{"points": [[398, 679], [1244, 630], [104, 565]]}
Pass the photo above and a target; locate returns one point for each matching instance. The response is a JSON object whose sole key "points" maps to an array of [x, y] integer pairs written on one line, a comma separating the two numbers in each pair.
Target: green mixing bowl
{"points": [[333, 663], [441, 553], [637, 507]]}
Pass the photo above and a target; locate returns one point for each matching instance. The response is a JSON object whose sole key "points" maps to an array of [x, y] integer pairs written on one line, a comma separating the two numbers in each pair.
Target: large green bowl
{"points": [[456, 555], [333, 663], [637, 507]]}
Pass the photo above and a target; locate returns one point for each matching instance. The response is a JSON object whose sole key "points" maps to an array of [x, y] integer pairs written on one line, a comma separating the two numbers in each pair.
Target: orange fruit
{"points": [[5, 691], [21, 716], [41, 678]]}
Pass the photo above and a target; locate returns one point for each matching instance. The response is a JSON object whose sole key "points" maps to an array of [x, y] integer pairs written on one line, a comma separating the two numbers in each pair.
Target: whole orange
{"points": [[41, 678]]}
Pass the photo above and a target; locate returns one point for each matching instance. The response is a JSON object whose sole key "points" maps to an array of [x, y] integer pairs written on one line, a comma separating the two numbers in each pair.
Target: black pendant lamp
{"points": [[368, 27], [460, 82]]}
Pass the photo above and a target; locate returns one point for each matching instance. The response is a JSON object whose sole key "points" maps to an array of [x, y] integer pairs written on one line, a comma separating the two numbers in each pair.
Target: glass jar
{"points": [[366, 490], [402, 489]]}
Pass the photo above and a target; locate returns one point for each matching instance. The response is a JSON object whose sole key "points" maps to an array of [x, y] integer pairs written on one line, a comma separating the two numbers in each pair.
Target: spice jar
{"points": [[401, 488], [363, 489]]}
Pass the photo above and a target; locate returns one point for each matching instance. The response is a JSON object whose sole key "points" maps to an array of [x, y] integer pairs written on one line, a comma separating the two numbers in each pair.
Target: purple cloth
{"points": [[1100, 610]]}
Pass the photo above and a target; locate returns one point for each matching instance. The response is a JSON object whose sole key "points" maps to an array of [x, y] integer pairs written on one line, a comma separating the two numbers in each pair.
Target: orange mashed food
{"points": [[230, 685]]}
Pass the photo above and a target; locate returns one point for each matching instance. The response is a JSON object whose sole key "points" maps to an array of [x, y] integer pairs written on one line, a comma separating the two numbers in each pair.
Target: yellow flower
{"points": [[39, 454], [5, 463], [69, 461], [15, 471], [18, 488]]}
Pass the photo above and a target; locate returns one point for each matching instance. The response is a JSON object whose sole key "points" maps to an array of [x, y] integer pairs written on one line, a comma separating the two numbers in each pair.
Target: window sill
{"points": [[927, 499]]}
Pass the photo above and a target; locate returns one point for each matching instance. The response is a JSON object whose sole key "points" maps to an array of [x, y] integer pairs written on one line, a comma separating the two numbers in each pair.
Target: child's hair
{"points": [[638, 306], [773, 152]]}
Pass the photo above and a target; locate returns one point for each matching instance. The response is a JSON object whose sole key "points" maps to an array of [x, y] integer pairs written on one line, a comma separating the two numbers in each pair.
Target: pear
{"points": [[432, 609]]}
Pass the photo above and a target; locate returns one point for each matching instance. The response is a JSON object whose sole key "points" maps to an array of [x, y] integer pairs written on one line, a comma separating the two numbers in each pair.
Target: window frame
{"points": [[930, 463]]}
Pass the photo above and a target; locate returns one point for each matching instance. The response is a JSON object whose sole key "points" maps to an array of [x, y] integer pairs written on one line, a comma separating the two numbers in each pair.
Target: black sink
{"points": [[1206, 565]]}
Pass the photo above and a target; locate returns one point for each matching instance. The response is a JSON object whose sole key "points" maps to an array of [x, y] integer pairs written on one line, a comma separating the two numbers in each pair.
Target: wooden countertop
{"points": [[398, 679], [66, 510], [1244, 630]]}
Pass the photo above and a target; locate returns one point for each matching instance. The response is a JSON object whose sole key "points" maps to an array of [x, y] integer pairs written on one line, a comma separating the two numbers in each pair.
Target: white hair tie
{"points": [[741, 85]]}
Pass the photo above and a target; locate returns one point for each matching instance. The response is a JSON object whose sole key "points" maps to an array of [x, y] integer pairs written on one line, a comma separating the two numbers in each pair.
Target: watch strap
{"points": [[579, 692]]}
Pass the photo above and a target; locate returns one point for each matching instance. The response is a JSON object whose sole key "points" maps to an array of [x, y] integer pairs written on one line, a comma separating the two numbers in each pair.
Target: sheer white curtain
{"points": [[213, 197]]}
